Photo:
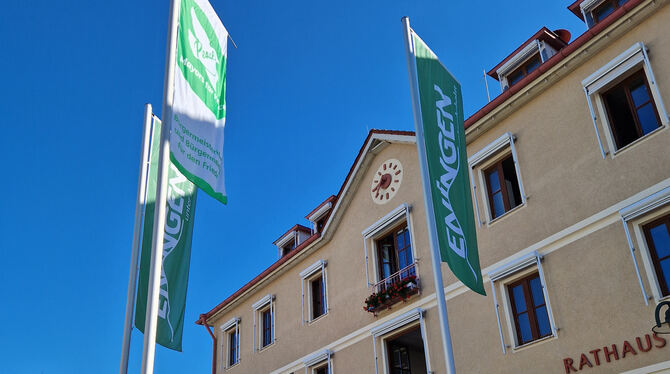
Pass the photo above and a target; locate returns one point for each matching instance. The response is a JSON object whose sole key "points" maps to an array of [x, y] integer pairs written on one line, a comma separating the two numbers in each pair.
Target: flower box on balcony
{"points": [[391, 294]]}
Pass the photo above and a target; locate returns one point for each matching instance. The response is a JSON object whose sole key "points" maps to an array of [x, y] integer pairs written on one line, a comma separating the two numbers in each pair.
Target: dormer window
{"points": [[594, 11], [287, 248], [525, 69], [319, 216], [529, 56], [292, 239]]}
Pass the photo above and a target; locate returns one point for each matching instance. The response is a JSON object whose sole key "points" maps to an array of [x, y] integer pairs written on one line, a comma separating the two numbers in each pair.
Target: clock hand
{"points": [[378, 185]]}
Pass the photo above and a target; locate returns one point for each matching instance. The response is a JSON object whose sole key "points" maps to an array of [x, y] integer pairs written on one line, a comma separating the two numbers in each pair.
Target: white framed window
{"points": [[494, 171], [319, 362], [524, 299], [391, 257], [230, 332], [595, 11], [524, 62], [624, 100], [264, 322], [314, 291], [650, 220], [292, 239], [401, 337]]}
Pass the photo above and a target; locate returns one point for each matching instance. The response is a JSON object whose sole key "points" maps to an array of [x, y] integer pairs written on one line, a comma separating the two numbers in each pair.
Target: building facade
{"points": [[570, 173]]}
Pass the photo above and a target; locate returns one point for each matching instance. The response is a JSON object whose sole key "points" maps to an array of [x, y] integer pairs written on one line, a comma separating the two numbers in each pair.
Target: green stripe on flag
{"points": [[180, 210], [444, 135]]}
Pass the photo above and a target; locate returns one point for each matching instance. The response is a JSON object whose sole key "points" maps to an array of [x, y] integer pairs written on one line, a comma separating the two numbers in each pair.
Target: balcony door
{"points": [[394, 252]]}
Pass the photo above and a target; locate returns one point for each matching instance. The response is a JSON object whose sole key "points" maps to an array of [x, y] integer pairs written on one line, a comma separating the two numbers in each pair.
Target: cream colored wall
{"points": [[346, 284], [591, 282], [563, 172]]}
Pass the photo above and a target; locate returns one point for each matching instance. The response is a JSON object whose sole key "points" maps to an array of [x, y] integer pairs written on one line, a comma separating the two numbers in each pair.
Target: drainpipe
{"points": [[203, 321]]}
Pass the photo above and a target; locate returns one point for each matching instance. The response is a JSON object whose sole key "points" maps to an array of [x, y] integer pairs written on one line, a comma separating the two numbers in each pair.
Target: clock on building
{"points": [[386, 181]]}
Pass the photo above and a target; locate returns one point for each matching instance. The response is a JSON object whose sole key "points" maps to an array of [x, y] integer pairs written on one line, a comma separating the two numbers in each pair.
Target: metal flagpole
{"points": [[134, 257], [151, 320], [428, 200]]}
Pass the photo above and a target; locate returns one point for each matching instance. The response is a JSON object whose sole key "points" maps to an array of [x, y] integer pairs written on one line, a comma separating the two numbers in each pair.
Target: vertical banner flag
{"points": [[180, 210], [444, 141], [199, 108]]}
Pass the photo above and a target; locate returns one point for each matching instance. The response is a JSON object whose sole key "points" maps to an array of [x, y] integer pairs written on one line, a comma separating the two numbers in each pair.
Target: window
{"points": [[525, 69], [394, 254], [631, 110], [319, 362], [498, 179], [264, 322], [529, 309], [292, 239], [624, 100], [287, 248], [314, 291], [502, 187], [233, 347], [657, 235], [231, 342], [318, 297], [387, 247], [266, 329], [595, 11], [320, 225], [404, 344]]}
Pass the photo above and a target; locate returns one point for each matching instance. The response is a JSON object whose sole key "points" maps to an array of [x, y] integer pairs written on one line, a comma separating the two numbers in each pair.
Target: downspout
{"points": [[203, 321]]}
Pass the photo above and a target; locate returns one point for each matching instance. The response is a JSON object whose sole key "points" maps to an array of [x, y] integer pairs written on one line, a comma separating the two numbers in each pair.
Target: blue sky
{"points": [[308, 80]]}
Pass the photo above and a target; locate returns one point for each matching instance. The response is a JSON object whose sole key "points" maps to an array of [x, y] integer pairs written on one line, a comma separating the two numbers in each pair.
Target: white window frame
{"points": [[508, 273], [320, 213], [395, 325], [517, 60], [226, 329], [259, 307], [306, 277], [613, 72], [637, 215], [398, 215], [479, 161], [316, 360]]}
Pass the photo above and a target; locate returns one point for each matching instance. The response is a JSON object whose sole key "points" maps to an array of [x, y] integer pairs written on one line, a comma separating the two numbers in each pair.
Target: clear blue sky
{"points": [[307, 82]]}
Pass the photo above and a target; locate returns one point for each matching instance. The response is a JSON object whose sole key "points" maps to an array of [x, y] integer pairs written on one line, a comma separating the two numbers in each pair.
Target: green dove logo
{"points": [[202, 49]]}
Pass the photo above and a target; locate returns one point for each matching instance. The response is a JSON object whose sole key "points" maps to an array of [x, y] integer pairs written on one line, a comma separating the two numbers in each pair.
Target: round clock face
{"points": [[386, 181]]}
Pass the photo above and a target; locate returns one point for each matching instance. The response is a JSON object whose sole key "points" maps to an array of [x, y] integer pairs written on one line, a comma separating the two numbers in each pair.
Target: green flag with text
{"points": [[444, 137], [179, 214], [199, 109]]}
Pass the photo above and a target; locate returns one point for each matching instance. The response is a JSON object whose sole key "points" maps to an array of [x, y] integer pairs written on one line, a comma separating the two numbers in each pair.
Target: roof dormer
{"points": [[291, 239], [594, 11], [529, 56], [320, 214]]}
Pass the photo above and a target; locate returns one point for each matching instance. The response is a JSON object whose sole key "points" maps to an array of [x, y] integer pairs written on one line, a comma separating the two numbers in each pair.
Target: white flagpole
{"points": [[151, 317], [428, 199], [137, 234]]}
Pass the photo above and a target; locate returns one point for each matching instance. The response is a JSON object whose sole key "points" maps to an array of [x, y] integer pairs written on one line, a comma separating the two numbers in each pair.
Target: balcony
{"points": [[394, 289]]}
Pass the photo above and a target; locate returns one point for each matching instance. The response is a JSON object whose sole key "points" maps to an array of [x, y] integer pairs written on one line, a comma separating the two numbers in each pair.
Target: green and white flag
{"points": [[442, 120], [199, 107], [180, 210]]}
